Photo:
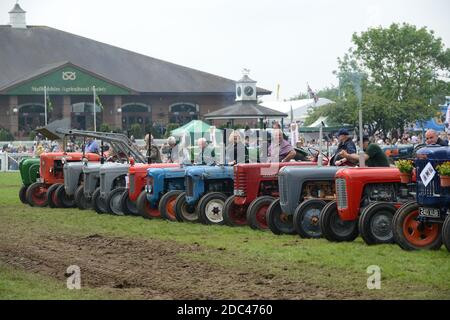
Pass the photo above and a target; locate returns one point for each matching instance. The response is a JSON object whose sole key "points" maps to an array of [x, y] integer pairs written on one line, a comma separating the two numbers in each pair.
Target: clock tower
{"points": [[246, 88]]}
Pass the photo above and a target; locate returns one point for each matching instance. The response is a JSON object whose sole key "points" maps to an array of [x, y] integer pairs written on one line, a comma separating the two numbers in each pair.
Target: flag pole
{"points": [[45, 105], [95, 111]]}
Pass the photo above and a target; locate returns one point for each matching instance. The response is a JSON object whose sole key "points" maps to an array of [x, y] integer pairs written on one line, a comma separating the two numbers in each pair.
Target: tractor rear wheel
{"points": [[113, 201], [412, 234], [128, 207], [446, 232], [98, 202], [375, 223], [256, 212], [144, 207], [333, 228], [307, 217], [233, 215], [278, 221], [80, 200], [52, 199], [37, 195], [64, 199], [210, 208], [23, 194], [184, 211], [167, 205]]}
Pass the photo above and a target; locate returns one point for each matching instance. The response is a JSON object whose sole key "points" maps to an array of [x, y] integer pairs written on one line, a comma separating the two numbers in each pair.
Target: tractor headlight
{"points": [[149, 186], [239, 193], [63, 160], [85, 161]]}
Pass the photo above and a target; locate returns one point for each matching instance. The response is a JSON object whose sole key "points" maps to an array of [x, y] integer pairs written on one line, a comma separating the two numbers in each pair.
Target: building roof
{"points": [[245, 110], [17, 9], [27, 51]]}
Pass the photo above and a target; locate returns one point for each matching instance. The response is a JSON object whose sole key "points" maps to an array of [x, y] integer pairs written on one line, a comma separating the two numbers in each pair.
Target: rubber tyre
{"points": [[167, 205], [406, 232], [65, 200], [113, 201], [144, 208], [37, 195], [129, 207], [446, 232], [23, 194], [184, 212], [52, 199], [233, 215], [307, 218], [278, 221], [210, 208], [98, 203], [80, 200], [330, 220], [256, 212], [375, 223]]}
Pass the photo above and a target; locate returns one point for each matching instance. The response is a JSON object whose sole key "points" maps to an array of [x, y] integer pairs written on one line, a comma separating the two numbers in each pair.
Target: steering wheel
{"points": [[316, 152]]}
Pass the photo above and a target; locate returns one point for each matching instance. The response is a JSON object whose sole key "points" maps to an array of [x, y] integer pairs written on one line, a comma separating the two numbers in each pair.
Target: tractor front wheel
{"points": [[307, 217], [167, 205], [144, 207], [256, 212], [113, 201], [37, 195], [375, 223], [64, 199], [23, 194], [128, 207], [412, 233], [278, 221], [233, 215], [446, 232], [98, 202], [52, 199], [80, 200], [183, 210], [210, 208], [334, 228]]}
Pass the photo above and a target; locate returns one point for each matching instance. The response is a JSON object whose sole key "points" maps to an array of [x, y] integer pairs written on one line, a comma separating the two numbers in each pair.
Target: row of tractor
{"points": [[307, 198]]}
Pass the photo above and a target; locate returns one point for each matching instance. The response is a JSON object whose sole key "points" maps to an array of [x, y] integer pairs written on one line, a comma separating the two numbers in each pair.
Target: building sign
{"points": [[67, 81]]}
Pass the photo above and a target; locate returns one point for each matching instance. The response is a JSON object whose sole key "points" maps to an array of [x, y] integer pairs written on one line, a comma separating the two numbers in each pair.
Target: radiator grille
{"points": [[283, 185], [189, 187], [341, 192], [131, 183]]}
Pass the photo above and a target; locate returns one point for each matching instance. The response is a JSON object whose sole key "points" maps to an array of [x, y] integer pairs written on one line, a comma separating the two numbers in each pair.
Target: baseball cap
{"points": [[342, 132]]}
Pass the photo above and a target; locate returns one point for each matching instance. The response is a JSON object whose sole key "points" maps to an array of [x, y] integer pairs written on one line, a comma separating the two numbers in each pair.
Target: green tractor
{"points": [[29, 173]]}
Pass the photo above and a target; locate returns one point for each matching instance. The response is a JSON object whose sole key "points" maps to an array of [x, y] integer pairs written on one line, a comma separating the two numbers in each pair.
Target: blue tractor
{"points": [[425, 222], [207, 188], [164, 185]]}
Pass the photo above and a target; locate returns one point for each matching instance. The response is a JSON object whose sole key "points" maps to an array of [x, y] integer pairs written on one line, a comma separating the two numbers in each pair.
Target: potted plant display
{"points": [[406, 167], [444, 173]]}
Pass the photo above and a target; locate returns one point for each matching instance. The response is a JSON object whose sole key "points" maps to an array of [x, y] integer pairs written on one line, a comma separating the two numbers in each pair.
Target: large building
{"points": [[132, 88]]}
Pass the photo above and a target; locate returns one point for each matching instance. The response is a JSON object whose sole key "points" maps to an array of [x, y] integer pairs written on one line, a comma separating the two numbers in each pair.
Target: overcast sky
{"points": [[290, 42]]}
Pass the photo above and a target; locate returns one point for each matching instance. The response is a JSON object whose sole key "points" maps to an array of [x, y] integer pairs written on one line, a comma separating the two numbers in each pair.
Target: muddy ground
{"points": [[148, 269]]}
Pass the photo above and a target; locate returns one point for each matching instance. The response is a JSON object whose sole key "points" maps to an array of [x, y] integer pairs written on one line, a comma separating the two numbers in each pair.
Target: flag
{"points": [[98, 102], [292, 114], [312, 94], [278, 92], [49, 104]]}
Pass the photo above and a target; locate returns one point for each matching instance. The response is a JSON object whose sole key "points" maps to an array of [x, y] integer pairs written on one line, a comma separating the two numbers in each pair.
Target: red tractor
{"points": [[255, 188], [366, 201], [52, 177], [137, 180]]}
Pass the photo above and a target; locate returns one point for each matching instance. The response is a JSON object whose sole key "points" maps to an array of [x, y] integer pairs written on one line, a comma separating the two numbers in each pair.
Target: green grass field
{"points": [[334, 267]]}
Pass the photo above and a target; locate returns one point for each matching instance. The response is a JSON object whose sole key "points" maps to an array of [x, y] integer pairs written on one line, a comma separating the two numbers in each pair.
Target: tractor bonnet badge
{"points": [[427, 174], [69, 75]]}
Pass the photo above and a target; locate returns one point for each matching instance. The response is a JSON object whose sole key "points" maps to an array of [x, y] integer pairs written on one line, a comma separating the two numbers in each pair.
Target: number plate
{"points": [[429, 212]]}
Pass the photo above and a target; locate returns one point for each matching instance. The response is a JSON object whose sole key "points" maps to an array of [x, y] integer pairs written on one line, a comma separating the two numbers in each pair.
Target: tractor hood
{"points": [[434, 152]]}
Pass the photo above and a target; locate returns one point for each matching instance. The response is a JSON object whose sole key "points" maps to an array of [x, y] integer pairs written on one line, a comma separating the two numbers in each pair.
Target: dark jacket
{"points": [[441, 142], [348, 145]]}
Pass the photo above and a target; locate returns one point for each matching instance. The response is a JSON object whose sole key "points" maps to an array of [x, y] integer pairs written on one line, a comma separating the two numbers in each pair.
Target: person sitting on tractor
{"points": [[236, 151], [374, 156], [207, 155], [346, 144], [91, 146], [286, 151], [153, 153], [431, 137], [176, 153]]}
